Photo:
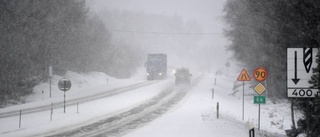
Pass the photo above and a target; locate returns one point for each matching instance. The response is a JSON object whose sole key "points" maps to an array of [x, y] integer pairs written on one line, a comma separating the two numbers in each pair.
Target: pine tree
{"points": [[314, 105], [310, 123]]}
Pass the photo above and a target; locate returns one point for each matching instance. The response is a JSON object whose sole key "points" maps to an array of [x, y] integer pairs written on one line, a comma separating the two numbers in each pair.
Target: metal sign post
{"points": [[50, 76], [64, 96], [259, 100], [242, 100], [243, 76], [64, 85], [260, 74]]}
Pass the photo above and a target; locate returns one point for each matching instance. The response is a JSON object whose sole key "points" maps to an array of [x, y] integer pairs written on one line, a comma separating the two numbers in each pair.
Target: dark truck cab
{"points": [[156, 66], [183, 76]]}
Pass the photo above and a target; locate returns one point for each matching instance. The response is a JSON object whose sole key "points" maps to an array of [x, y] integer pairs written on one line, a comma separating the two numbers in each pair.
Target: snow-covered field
{"points": [[194, 115]]}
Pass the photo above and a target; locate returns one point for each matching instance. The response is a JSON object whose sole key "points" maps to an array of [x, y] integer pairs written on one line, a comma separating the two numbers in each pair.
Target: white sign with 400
{"points": [[300, 62]]}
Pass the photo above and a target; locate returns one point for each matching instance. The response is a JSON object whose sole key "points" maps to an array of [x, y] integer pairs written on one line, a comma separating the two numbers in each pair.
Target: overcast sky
{"points": [[208, 13]]}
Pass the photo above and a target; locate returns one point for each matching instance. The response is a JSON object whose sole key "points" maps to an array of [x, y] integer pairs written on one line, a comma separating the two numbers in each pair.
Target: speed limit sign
{"points": [[260, 74]]}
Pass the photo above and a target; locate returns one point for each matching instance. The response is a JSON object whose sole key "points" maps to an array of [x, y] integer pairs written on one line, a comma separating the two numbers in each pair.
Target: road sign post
{"points": [[260, 74], [50, 77], [243, 76], [64, 85], [259, 89], [259, 100], [299, 63]]}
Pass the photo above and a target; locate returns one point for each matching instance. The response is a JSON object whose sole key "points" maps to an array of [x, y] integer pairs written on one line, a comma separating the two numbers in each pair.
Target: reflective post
{"points": [[50, 75], [212, 93], [51, 112], [64, 101], [215, 81], [20, 119], [77, 107], [217, 110]]}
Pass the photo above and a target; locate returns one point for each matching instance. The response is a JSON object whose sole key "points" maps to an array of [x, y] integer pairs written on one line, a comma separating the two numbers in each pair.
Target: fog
{"points": [[206, 52]]}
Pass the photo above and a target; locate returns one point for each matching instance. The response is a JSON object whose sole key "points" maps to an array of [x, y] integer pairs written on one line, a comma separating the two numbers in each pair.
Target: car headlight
{"points": [[160, 74], [147, 74]]}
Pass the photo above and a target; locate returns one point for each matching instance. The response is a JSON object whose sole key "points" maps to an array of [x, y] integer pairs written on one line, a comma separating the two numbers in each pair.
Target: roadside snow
{"points": [[82, 85], [195, 115]]}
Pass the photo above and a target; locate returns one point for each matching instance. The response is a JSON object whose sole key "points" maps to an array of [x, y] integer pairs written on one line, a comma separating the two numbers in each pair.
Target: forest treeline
{"points": [[68, 36], [261, 31], [36, 34]]}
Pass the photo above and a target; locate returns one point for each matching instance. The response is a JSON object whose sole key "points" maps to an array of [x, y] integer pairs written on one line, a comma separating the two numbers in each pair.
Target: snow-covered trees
{"points": [[310, 107], [65, 34], [261, 31], [37, 33]]}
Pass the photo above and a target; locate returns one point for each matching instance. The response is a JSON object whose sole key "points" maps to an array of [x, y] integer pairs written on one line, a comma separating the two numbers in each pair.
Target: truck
{"points": [[156, 66]]}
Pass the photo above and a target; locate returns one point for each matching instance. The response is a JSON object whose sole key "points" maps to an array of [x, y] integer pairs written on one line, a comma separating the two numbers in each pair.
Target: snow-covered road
{"points": [[160, 109], [39, 123], [194, 116], [134, 118]]}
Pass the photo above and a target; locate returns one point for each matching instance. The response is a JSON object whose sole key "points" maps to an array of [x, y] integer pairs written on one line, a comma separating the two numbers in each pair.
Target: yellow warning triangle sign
{"points": [[244, 76]]}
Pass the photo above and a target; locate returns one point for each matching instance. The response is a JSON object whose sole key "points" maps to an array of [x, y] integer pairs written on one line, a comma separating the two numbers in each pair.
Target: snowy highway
{"points": [[156, 98], [146, 108], [168, 68], [134, 118]]}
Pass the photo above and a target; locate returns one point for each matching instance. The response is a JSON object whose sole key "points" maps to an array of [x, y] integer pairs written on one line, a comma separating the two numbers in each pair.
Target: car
{"points": [[182, 76]]}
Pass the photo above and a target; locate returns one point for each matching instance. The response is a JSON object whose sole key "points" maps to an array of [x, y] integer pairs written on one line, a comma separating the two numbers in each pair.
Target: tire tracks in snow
{"points": [[134, 118]]}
